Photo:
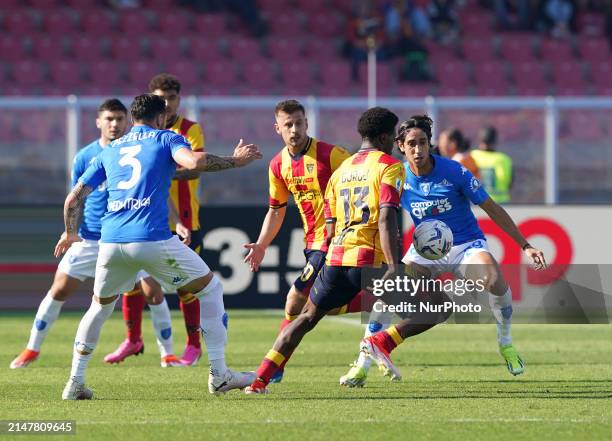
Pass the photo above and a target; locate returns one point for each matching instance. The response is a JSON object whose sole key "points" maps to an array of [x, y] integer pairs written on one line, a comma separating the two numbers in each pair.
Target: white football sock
{"points": [[378, 321], [87, 337], [501, 306], [47, 313], [162, 324], [213, 321]]}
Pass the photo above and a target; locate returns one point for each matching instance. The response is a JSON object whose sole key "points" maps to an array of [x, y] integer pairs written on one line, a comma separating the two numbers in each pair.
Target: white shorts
{"points": [[79, 262], [453, 262], [172, 263]]}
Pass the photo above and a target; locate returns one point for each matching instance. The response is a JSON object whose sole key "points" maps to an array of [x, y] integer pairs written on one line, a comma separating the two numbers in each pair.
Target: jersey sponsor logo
{"points": [[425, 188], [424, 209], [355, 176], [299, 180], [308, 195], [129, 204]]}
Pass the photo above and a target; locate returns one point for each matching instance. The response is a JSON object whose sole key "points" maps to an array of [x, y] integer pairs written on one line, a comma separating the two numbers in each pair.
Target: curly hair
{"points": [[423, 122], [164, 81], [375, 122], [146, 107]]}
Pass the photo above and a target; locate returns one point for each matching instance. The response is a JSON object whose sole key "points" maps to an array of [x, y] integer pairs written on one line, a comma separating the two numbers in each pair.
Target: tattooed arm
{"points": [[73, 211], [243, 155]]}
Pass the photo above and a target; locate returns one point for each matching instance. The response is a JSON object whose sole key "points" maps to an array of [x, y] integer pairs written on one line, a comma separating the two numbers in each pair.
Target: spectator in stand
{"points": [[246, 10], [608, 24], [521, 19], [443, 17], [452, 144], [558, 17], [495, 167]]}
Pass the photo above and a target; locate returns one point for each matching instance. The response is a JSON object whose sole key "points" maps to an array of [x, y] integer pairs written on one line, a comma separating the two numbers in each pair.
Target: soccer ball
{"points": [[432, 239]]}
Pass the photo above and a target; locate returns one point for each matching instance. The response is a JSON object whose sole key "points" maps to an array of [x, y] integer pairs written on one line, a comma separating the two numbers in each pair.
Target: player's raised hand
{"points": [[536, 256], [254, 256], [184, 233], [246, 153], [64, 243]]}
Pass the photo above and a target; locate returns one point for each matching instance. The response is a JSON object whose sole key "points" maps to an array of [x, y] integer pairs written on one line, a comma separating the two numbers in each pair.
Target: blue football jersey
{"points": [[138, 169], [95, 204], [445, 195]]}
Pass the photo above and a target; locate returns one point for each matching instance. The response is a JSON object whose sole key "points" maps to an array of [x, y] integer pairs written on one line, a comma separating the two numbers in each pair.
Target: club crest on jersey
{"points": [[474, 184], [310, 167], [425, 187]]}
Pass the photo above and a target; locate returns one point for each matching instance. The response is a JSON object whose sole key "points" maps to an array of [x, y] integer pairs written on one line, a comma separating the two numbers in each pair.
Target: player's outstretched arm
{"points": [[501, 217], [243, 155], [269, 229], [73, 211]]}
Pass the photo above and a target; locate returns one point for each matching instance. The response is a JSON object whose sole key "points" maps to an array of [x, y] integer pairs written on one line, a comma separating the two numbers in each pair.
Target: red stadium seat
{"points": [[476, 23], [98, 22], [287, 24], [311, 7], [297, 75], [336, 74], [126, 49], [321, 49], [478, 50], [529, 76], [43, 4], [518, 48], [210, 25], [187, 72], [86, 48], [28, 73], [20, 22], [260, 74], [450, 90], [595, 49], [413, 90], [205, 50], [331, 90], [49, 48], [105, 74], [568, 75], [325, 25], [134, 23], [174, 23], [491, 78], [452, 74], [163, 49], [12, 48], [386, 75], [285, 49], [82, 5], [54, 90], [66, 73], [140, 72], [161, 5], [221, 74], [602, 75], [244, 49], [60, 22], [556, 51]]}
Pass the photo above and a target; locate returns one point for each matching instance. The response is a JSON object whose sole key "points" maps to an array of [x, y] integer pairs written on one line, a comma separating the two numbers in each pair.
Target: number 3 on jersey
{"points": [[128, 157], [360, 195]]}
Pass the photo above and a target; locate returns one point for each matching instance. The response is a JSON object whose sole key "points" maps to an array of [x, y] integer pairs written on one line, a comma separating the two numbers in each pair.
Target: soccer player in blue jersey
{"points": [[442, 189], [79, 262], [138, 169]]}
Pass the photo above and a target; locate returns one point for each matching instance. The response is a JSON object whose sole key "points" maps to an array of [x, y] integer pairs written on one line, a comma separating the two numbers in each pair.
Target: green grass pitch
{"points": [[455, 386]]}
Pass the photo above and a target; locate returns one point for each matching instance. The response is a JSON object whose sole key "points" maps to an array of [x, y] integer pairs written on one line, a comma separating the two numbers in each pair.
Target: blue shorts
{"points": [[314, 262], [335, 286]]}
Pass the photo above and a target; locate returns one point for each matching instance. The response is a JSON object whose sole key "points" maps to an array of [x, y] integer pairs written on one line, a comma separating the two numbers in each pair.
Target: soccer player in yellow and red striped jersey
{"points": [[361, 204], [184, 194], [302, 169]]}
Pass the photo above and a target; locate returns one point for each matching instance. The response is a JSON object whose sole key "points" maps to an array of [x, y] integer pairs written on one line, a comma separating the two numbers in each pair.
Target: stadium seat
{"points": [[163, 49], [518, 48], [126, 49], [339, 89], [221, 74], [12, 48], [602, 75], [477, 50], [476, 24], [325, 25], [451, 74], [529, 78], [321, 49], [187, 72], [82, 5], [60, 22], [244, 49], [297, 76], [556, 51], [260, 74], [160, 5], [210, 25], [134, 23], [105, 73], [491, 78], [43, 4], [386, 75], [204, 49], [66, 73], [413, 90], [98, 22], [174, 23], [140, 72], [335, 74], [86, 48], [568, 75], [287, 24], [595, 49], [312, 7], [28, 73], [48, 48], [20, 22], [285, 49]]}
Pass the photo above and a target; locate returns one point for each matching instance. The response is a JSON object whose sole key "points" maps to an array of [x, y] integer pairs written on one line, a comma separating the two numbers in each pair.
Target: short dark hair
{"points": [[423, 122], [112, 105], [455, 135], [146, 107], [375, 122], [164, 81], [289, 106], [488, 135]]}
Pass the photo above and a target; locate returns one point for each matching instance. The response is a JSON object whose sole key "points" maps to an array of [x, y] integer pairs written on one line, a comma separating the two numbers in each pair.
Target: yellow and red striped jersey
{"points": [[305, 176], [366, 182], [184, 193]]}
